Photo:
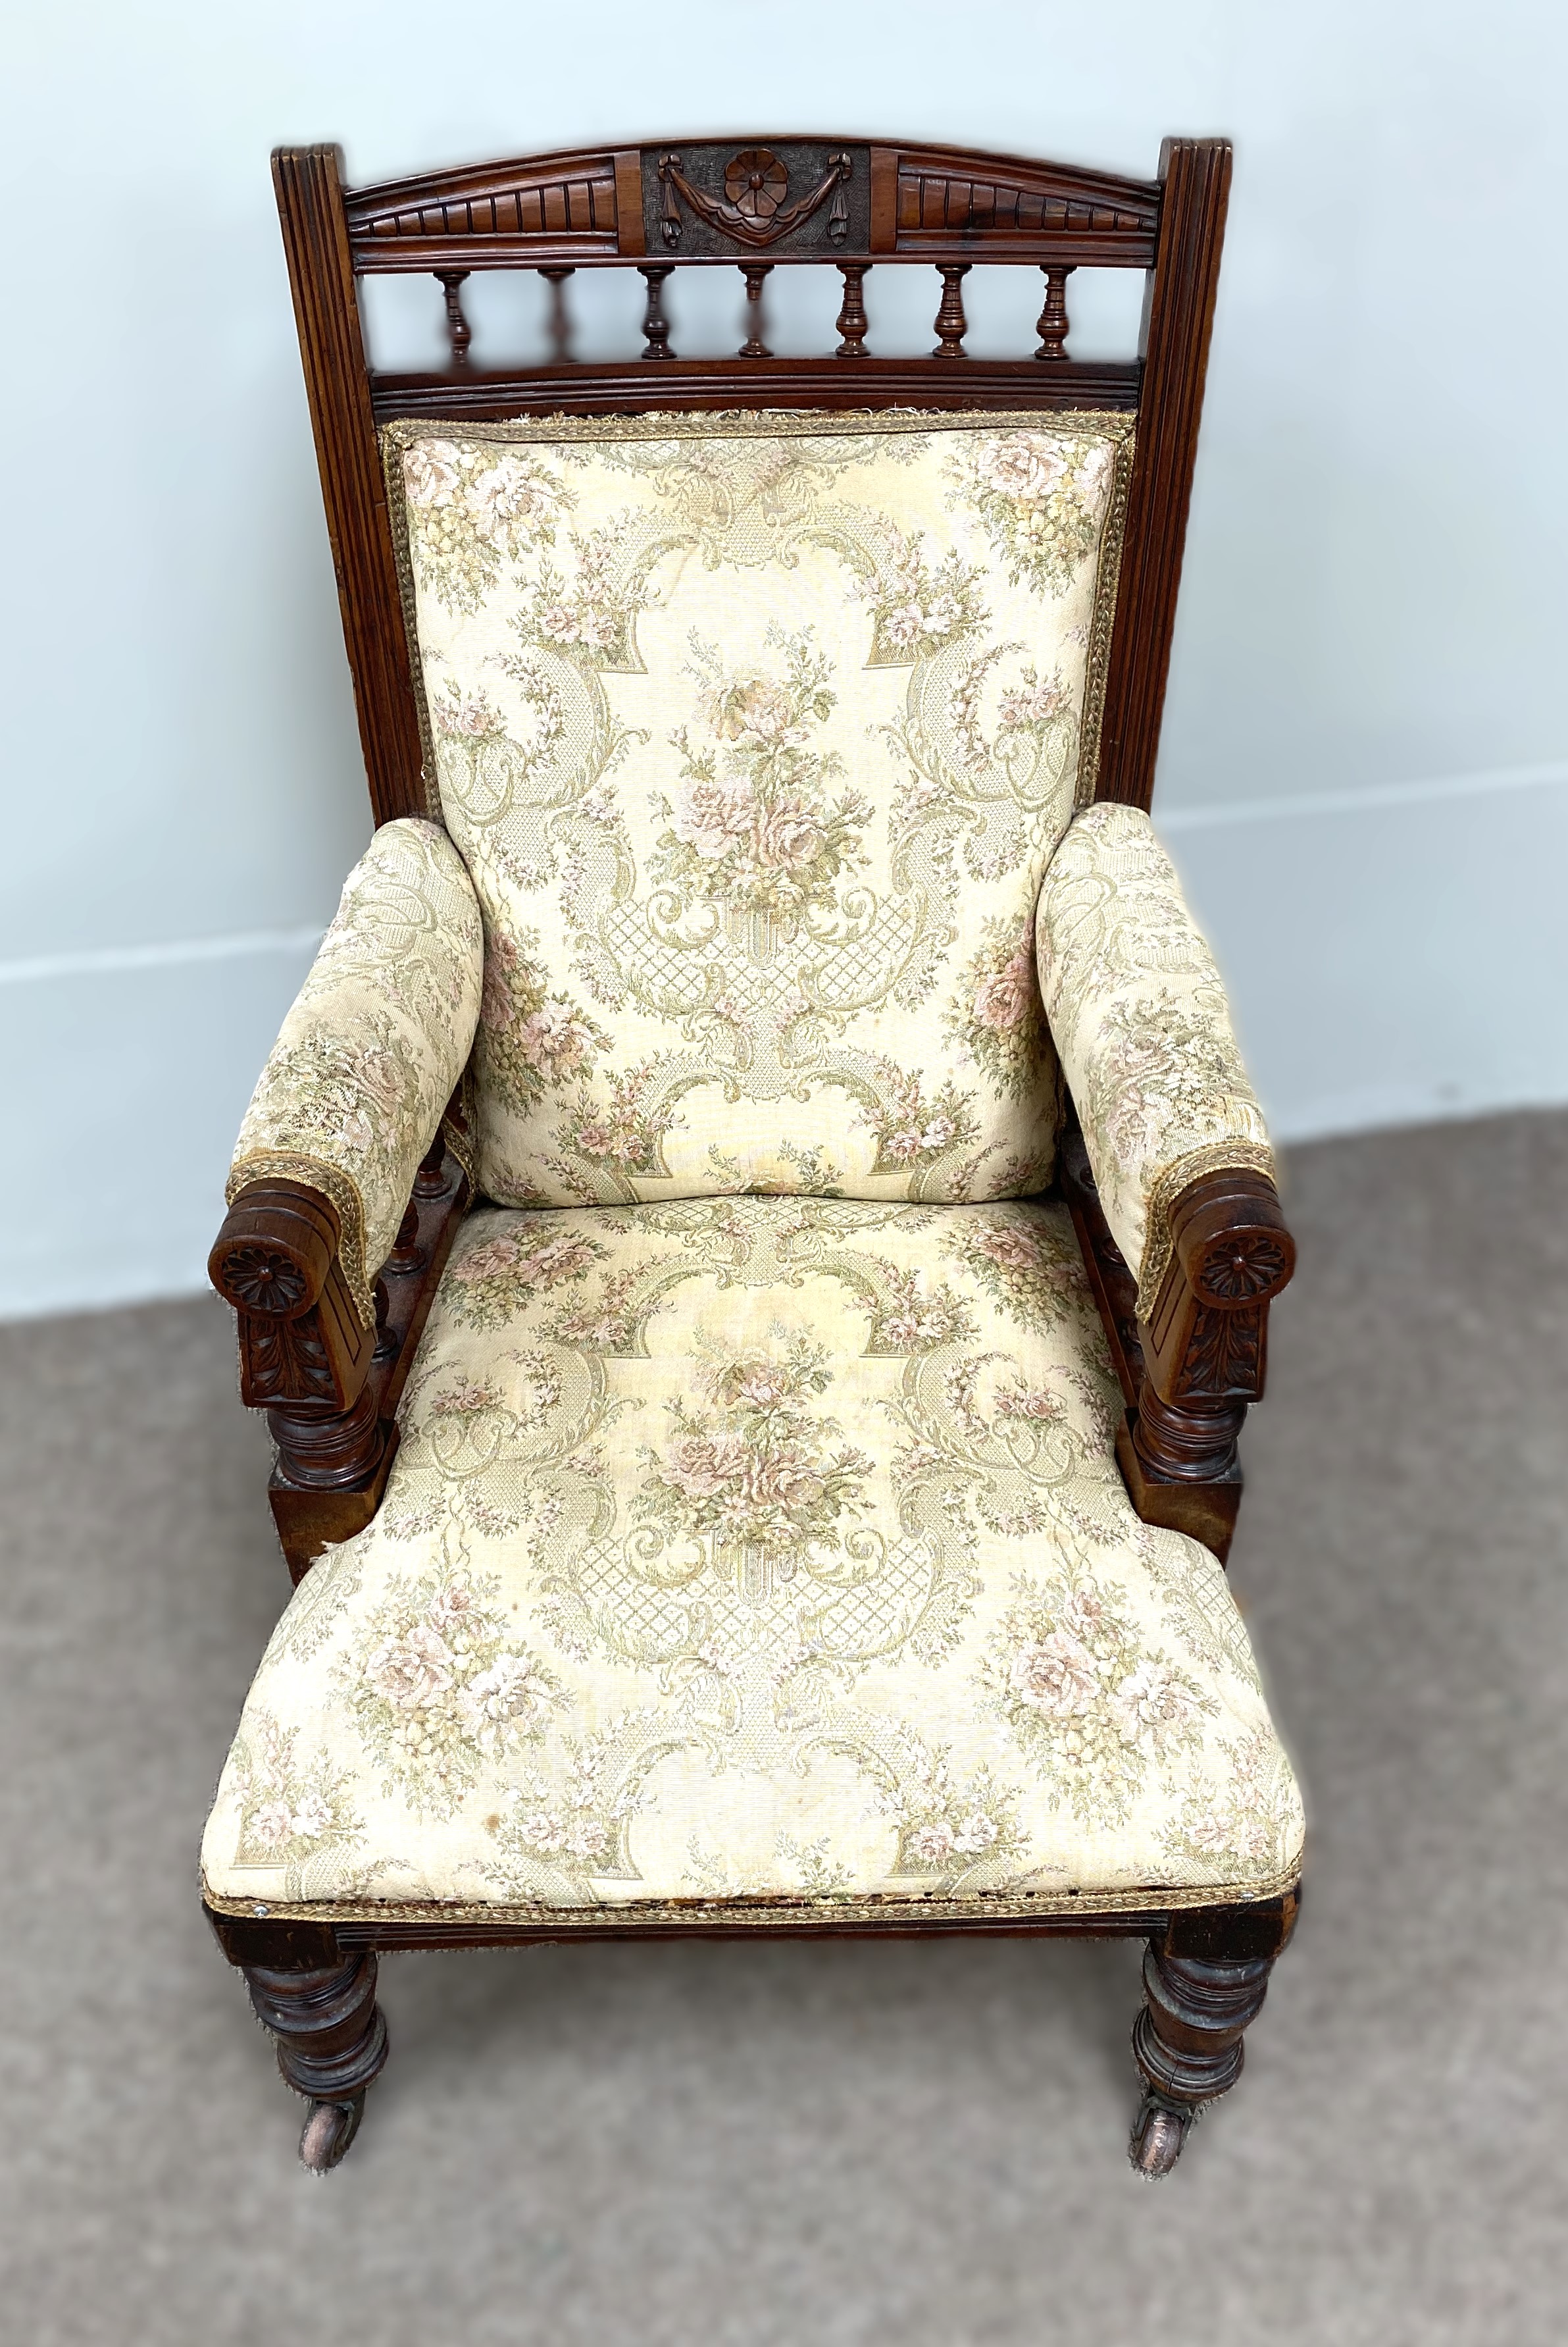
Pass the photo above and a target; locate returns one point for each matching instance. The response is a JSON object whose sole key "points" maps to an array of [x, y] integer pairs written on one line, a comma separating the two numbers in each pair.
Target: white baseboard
{"points": [[1395, 956]]}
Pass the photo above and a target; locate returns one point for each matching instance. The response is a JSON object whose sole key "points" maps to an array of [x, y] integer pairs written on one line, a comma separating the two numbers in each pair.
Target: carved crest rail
{"points": [[801, 198]]}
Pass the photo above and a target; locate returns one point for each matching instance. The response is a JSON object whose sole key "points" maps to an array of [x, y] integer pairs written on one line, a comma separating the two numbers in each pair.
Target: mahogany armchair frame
{"points": [[1190, 1369]]}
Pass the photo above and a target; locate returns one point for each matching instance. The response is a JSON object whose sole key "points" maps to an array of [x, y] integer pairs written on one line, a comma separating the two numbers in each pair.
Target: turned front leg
{"points": [[332, 2042], [1187, 2043]]}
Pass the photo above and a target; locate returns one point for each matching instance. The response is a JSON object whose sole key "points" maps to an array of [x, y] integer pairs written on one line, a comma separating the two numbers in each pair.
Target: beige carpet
{"points": [[920, 2144]]}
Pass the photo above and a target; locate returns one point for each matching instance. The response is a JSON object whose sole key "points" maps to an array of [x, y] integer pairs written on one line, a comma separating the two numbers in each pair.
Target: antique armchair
{"points": [[754, 1239]]}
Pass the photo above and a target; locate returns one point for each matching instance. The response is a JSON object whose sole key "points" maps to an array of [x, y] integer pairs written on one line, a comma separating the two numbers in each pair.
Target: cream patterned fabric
{"points": [[1139, 1015], [755, 733], [757, 1550], [352, 1093]]}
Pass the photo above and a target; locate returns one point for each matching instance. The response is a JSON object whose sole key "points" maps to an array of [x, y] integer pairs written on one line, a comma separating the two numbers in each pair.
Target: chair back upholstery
{"points": [[757, 734]]}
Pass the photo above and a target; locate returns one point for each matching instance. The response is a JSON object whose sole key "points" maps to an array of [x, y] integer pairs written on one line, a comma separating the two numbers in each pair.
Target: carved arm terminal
{"points": [[1166, 1164], [349, 1182]]}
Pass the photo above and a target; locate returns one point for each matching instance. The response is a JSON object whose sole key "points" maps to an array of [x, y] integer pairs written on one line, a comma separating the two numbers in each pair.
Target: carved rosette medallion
{"points": [[756, 184], [262, 1279], [1245, 1264]]}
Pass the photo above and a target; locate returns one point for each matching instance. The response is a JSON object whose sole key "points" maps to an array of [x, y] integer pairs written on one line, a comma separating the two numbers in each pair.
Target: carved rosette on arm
{"points": [[352, 1093]]}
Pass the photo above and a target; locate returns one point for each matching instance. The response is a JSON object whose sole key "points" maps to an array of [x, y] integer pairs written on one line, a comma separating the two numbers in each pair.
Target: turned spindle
{"points": [[756, 273], [852, 319], [386, 1337], [430, 1182], [1052, 323], [407, 1255], [560, 321], [952, 324], [460, 333], [655, 325]]}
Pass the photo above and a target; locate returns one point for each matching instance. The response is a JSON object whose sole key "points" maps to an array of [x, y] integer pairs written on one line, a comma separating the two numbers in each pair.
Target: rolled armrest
{"points": [[1138, 1013], [354, 1090]]}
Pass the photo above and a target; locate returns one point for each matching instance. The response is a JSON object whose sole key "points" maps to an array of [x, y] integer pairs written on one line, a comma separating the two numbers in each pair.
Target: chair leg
{"points": [[1187, 2043], [332, 2042]]}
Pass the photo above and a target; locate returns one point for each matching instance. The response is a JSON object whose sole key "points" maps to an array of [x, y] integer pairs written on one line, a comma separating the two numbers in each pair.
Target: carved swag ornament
{"points": [[753, 209]]}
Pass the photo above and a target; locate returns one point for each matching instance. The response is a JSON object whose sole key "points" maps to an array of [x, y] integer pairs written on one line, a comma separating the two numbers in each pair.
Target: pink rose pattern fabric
{"points": [[765, 1550], [1139, 1015], [373, 1049], [740, 1547], [755, 734]]}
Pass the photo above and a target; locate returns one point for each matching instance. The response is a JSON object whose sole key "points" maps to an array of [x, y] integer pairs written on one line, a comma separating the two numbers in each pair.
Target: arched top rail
{"points": [[787, 199]]}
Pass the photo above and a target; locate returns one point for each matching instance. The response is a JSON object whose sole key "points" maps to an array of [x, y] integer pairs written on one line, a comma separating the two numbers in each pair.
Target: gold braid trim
{"points": [[761, 1915], [315, 1174], [1103, 620], [759, 423], [395, 439], [1214, 1157], [457, 1130], [778, 424]]}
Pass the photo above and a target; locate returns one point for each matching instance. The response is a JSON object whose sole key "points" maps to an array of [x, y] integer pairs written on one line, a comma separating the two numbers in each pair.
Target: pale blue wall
{"points": [[1365, 696]]}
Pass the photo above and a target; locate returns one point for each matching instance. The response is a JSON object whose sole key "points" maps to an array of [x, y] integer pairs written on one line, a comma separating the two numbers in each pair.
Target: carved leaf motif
{"points": [[286, 1360], [1222, 1355]]}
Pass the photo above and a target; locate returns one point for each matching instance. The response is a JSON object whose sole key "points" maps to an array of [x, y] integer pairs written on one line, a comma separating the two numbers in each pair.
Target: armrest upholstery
{"points": [[1138, 1013], [352, 1096]]}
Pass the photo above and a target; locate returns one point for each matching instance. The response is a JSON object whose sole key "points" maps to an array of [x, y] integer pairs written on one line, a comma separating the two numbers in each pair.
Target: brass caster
{"points": [[1159, 2131], [329, 2130]]}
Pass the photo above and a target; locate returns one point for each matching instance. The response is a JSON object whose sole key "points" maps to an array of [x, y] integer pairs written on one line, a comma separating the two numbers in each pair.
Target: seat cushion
{"points": [[757, 734], [757, 1550]]}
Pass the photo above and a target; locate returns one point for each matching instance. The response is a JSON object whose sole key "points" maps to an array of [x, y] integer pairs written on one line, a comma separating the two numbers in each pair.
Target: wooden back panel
{"points": [[757, 204]]}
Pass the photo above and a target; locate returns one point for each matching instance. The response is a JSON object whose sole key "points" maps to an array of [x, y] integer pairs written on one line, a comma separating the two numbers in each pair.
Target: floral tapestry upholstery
{"points": [[1138, 1014], [369, 1056], [757, 1550], [756, 733]]}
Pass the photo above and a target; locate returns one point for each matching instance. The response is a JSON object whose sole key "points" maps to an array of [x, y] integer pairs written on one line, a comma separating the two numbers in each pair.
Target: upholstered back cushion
{"points": [[757, 734]]}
